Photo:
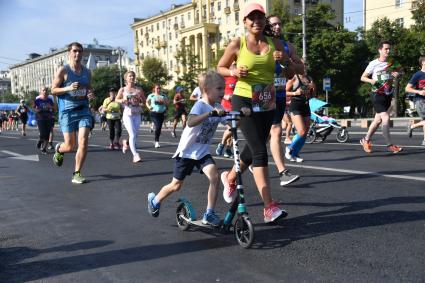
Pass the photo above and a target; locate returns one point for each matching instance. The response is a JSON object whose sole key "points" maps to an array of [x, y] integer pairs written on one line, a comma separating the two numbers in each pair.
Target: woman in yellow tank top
{"points": [[255, 56]]}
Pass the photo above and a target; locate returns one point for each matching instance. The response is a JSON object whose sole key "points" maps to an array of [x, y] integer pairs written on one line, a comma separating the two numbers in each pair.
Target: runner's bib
{"points": [[263, 98]]}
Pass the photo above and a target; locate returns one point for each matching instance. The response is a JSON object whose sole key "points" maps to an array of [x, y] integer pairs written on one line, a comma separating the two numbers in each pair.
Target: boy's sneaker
{"points": [[229, 191], [228, 153], [157, 145], [219, 150], [58, 157], [367, 145], [173, 134], [272, 213], [153, 210], [77, 178], [286, 177], [211, 219], [288, 154], [50, 146], [409, 130], [394, 149]]}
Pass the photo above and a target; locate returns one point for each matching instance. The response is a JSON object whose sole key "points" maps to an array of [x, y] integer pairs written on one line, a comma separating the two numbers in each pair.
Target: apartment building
{"points": [[399, 11], [38, 70], [205, 26]]}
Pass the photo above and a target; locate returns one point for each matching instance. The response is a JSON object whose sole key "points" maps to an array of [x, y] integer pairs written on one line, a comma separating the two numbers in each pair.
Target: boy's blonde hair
{"points": [[209, 79]]}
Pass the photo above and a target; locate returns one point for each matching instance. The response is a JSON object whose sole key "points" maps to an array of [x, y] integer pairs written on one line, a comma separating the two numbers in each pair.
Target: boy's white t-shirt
{"points": [[195, 141]]}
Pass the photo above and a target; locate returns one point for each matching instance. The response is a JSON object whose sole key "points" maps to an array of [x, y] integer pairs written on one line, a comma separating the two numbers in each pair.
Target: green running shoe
{"points": [[58, 157], [77, 178]]}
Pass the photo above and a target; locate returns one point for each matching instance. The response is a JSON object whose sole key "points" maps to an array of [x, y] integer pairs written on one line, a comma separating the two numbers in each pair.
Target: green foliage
{"points": [[155, 71], [9, 97], [191, 68], [103, 78], [418, 15]]}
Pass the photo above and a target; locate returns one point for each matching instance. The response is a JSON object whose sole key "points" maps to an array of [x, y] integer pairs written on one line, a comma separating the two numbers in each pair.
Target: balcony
{"points": [[147, 35], [176, 26], [227, 10], [182, 25]]}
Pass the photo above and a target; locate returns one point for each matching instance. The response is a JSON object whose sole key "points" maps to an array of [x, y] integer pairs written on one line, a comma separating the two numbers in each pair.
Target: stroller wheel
{"points": [[311, 136], [342, 135]]}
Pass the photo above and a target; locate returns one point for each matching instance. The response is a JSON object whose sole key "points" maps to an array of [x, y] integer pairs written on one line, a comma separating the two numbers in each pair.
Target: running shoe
{"points": [[153, 210], [50, 146], [117, 145], [228, 153], [58, 157], [286, 177], [39, 144], [211, 219], [296, 158], [367, 145], [229, 191], [219, 150], [136, 158], [151, 129], [43, 151], [77, 178], [173, 134], [124, 146], [157, 145], [288, 154], [273, 213], [111, 146], [394, 148], [287, 141], [409, 130]]}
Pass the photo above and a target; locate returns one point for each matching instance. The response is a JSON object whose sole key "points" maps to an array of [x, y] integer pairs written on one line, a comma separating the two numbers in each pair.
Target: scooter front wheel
{"points": [[244, 231], [182, 213]]}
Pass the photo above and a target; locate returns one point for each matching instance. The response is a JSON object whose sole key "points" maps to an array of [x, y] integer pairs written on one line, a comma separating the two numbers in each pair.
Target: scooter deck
{"points": [[199, 223]]}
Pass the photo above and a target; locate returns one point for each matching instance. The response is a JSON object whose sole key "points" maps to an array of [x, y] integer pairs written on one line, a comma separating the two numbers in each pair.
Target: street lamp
{"points": [[120, 52]]}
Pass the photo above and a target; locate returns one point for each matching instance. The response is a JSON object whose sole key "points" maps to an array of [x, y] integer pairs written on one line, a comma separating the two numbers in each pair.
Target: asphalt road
{"points": [[353, 217]]}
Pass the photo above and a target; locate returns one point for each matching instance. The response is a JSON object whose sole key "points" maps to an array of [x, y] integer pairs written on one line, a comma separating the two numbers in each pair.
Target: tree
{"points": [[191, 67], [155, 71], [103, 78]]}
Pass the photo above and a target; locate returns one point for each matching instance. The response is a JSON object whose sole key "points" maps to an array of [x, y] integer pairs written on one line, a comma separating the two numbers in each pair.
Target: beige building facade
{"points": [[203, 26], [39, 70], [399, 11]]}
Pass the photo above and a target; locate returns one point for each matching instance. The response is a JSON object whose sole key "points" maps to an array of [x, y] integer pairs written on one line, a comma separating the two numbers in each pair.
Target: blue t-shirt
{"points": [[76, 99], [158, 103], [418, 82], [46, 112]]}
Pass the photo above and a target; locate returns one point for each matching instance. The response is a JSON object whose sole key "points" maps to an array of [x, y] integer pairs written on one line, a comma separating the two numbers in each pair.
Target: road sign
{"points": [[326, 84]]}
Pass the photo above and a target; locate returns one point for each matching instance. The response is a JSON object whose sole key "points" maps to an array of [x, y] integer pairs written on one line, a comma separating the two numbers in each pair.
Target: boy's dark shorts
{"points": [[184, 166]]}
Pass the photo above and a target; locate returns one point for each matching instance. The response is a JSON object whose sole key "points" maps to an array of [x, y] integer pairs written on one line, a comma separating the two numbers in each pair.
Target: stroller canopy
{"points": [[316, 104]]}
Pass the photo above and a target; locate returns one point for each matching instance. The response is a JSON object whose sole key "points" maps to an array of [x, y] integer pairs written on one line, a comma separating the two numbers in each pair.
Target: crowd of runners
{"points": [[259, 74]]}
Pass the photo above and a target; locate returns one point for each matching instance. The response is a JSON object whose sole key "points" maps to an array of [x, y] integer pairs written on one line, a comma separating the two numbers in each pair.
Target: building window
{"points": [[163, 24], [169, 36], [176, 35], [141, 32], [188, 16], [169, 23], [157, 26], [237, 18], [219, 6], [171, 64], [399, 22], [399, 3]]}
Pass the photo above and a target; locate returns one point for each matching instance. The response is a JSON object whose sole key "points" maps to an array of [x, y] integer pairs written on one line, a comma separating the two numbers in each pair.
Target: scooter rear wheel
{"points": [[182, 212], [244, 231]]}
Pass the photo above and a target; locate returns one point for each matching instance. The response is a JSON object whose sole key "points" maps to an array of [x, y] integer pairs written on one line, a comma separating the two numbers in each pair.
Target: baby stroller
{"points": [[321, 125]]}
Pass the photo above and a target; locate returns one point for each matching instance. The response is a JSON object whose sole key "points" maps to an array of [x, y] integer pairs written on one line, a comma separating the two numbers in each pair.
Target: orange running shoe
{"points": [[394, 148], [367, 145]]}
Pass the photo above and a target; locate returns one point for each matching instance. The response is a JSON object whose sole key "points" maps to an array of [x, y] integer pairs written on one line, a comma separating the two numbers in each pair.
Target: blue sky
{"points": [[34, 26]]}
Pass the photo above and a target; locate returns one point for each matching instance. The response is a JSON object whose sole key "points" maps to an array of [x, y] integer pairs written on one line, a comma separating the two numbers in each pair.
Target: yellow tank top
{"points": [[260, 68]]}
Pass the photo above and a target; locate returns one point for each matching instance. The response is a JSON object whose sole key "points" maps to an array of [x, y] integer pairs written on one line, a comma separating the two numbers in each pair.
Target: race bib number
{"points": [[384, 85], [280, 84], [263, 98], [79, 93]]}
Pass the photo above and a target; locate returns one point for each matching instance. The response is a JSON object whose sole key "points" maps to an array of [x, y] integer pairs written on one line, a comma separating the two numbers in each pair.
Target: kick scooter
{"points": [[242, 226]]}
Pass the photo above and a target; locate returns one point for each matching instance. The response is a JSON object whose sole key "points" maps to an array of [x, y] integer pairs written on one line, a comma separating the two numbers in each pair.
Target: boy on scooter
{"points": [[194, 147]]}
